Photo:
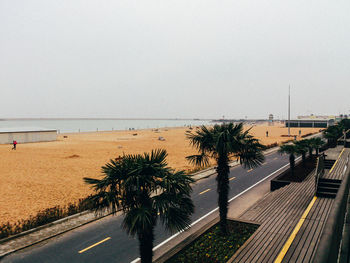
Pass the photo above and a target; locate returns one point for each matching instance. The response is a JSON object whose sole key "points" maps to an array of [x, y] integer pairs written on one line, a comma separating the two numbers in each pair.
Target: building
{"points": [[25, 135], [313, 123]]}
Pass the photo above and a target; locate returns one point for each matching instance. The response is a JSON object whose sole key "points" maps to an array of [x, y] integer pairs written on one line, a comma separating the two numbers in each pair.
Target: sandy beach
{"points": [[41, 175]]}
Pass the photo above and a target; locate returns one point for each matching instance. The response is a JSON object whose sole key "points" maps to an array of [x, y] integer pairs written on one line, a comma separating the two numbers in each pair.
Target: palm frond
{"points": [[198, 159], [137, 220]]}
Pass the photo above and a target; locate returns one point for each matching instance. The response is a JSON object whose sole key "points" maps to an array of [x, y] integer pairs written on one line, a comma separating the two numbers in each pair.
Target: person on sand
{"points": [[299, 133], [267, 133], [14, 145]]}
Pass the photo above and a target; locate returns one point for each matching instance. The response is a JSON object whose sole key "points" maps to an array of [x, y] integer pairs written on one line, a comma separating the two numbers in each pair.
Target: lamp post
{"points": [[289, 111]]}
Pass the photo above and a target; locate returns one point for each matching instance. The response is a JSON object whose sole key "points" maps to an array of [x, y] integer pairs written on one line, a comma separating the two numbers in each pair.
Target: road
{"points": [[105, 241]]}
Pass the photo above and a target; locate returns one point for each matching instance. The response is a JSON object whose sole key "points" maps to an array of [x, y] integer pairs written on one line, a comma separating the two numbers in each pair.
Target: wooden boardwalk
{"points": [[337, 172], [279, 212]]}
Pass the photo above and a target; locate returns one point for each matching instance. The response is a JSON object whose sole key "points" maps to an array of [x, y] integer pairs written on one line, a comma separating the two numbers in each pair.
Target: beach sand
{"points": [[41, 175]]}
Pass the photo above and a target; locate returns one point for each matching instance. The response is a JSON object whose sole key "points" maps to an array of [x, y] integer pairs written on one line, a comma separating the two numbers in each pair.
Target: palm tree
{"points": [[146, 189], [309, 146], [292, 150], [301, 148], [316, 143], [222, 142], [332, 133]]}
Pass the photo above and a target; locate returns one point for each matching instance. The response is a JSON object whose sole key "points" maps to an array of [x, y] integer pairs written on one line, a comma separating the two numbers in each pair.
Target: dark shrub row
{"points": [[44, 217]]}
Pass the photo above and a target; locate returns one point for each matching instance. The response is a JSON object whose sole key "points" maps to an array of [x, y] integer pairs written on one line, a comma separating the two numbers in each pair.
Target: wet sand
{"points": [[41, 175]]}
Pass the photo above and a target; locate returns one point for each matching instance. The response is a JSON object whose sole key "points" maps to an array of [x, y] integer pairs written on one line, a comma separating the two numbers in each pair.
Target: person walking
{"points": [[14, 145], [267, 133]]}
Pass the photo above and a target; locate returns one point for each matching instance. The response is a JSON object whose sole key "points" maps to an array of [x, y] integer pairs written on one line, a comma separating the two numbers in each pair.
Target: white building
{"points": [[24, 135]]}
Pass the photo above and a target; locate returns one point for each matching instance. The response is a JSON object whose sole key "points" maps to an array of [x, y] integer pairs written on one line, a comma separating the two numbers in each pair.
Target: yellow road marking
{"points": [[204, 191], [263, 163], [295, 232], [94, 245], [249, 170], [275, 158], [336, 161], [232, 178]]}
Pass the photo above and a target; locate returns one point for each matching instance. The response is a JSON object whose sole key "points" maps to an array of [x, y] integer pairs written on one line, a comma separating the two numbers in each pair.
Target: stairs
{"points": [[327, 187], [328, 164]]}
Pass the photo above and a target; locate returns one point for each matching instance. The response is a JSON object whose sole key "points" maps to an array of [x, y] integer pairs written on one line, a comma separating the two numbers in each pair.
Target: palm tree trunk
{"points": [[223, 188], [310, 152], [292, 163], [146, 245]]}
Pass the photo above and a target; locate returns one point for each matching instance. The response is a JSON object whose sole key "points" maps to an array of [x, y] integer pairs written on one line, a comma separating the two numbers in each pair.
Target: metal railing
{"points": [[332, 234], [342, 139]]}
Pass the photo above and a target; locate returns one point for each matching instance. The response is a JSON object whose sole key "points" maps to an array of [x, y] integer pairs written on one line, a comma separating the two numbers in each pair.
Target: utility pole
{"points": [[289, 111]]}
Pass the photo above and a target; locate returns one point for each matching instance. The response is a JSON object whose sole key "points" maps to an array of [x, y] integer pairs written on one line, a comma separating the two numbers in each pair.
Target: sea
{"points": [[93, 125]]}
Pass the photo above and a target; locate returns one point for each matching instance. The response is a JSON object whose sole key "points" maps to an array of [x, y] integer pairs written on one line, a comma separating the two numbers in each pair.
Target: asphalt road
{"points": [[105, 241]]}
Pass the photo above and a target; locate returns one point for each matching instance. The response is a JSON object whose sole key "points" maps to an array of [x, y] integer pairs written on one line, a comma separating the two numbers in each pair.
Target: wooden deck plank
{"points": [[277, 223], [279, 212], [274, 247], [256, 210], [313, 240], [310, 253], [300, 240]]}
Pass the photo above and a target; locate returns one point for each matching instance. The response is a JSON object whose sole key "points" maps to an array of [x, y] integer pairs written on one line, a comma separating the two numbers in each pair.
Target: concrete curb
{"points": [[48, 236], [6, 239]]}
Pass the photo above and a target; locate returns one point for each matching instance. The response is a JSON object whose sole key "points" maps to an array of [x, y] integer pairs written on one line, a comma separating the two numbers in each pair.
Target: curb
{"points": [[42, 227], [48, 237]]}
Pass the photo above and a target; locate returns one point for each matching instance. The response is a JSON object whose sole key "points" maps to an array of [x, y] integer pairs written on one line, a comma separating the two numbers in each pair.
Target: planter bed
{"points": [[211, 246], [300, 173]]}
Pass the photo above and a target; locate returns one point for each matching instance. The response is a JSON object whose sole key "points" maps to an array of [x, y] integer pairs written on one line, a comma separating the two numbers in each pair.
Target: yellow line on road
{"points": [[263, 163], [249, 170], [232, 178], [275, 158], [94, 245], [336, 161], [204, 191], [295, 232]]}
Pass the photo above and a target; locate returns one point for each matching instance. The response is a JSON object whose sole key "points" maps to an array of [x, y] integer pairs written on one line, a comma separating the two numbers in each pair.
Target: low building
{"points": [[25, 135], [313, 123]]}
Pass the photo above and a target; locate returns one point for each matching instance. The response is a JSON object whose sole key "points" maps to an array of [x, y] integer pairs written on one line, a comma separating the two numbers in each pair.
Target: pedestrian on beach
{"points": [[14, 145], [267, 133], [299, 133]]}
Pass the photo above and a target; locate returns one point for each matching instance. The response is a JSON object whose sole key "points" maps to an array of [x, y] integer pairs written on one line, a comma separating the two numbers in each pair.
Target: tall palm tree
{"points": [[146, 189], [223, 142], [292, 150]]}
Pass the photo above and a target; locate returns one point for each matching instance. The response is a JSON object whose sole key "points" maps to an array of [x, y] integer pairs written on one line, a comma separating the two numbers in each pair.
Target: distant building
{"points": [[317, 117], [311, 123], [25, 135]]}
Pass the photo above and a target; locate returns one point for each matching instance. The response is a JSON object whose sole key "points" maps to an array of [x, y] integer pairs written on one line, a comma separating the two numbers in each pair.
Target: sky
{"points": [[173, 58]]}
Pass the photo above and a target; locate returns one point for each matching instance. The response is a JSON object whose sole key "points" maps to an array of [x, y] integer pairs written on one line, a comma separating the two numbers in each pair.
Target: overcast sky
{"points": [[174, 58]]}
